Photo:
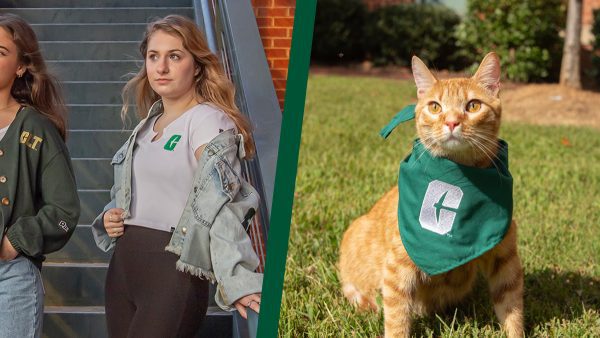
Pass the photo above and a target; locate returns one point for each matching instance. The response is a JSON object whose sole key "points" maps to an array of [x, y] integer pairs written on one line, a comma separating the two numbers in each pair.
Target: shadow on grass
{"points": [[549, 295]]}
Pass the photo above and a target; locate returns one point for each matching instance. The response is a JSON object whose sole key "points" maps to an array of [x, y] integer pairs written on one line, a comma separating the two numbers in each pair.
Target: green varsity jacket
{"points": [[39, 206]]}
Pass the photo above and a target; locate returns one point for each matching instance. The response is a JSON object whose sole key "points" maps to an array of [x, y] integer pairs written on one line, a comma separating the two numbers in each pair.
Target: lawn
{"points": [[344, 167]]}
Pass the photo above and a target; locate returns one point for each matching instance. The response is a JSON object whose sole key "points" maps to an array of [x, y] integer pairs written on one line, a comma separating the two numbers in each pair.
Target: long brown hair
{"points": [[211, 83], [36, 87]]}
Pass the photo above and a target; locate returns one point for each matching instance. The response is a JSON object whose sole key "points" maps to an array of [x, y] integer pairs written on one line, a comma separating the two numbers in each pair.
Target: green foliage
{"points": [[345, 31], [345, 167], [338, 34], [393, 34], [596, 51], [525, 34]]}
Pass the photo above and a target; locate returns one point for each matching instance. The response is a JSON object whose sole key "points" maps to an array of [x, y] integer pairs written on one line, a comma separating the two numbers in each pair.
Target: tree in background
{"points": [[525, 34], [393, 34], [338, 34], [570, 70]]}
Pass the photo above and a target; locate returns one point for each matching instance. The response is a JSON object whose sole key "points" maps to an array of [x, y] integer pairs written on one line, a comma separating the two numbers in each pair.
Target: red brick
{"points": [[267, 42], [262, 3], [280, 64], [273, 32], [276, 53], [282, 43], [284, 22], [264, 22], [289, 32], [292, 12], [281, 95], [285, 3], [272, 12], [279, 84], [279, 74]]}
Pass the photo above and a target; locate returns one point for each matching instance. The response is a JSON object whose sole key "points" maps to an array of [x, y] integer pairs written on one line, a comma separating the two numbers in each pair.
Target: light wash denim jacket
{"points": [[210, 239]]}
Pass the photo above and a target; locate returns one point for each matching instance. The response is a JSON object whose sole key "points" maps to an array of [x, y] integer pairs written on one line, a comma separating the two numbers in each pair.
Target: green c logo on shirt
{"points": [[172, 142]]}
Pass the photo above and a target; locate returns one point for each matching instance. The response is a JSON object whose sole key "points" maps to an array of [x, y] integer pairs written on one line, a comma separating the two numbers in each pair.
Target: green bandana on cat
{"points": [[450, 214]]}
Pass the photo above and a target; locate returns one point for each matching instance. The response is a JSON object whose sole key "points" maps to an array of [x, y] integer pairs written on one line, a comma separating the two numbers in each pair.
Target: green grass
{"points": [[344, 167]]}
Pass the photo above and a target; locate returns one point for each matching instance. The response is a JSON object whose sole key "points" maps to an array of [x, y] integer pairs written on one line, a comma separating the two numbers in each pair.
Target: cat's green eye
{"points": [[473, 106], [434, 107]]}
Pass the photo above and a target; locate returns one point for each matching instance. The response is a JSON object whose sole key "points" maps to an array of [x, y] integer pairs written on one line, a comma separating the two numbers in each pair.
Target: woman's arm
{"points": [[51, 228], [233, 258]]}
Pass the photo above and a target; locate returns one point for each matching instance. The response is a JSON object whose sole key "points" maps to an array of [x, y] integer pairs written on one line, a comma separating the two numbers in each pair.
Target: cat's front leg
{"points": [[505, 278], [398, 289]]}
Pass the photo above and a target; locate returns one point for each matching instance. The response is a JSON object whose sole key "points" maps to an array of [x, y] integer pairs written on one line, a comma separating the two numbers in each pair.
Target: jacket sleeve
{"points": [[57, 217], [233, 258], [103, 241]]}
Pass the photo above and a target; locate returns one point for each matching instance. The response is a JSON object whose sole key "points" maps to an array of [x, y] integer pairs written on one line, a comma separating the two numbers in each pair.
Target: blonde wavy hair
{"points": [[211, 82]]}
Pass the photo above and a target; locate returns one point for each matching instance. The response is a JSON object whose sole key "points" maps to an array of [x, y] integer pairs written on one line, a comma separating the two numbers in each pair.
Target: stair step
{"points": [[93, 92], [72, 284], [74, 309], [81, 284], [94, 70], [91, 3], [93, 174], [89, 321], [96, 144], [81, 248], [91, 50], [99, 117], [212, 310], [69, 322], [92, 203], [90, 32], [97, 15]]}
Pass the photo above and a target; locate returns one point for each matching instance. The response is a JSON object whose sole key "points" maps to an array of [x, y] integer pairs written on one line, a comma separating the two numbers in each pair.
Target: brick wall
{"points": [[587, 21], [275, 20]]}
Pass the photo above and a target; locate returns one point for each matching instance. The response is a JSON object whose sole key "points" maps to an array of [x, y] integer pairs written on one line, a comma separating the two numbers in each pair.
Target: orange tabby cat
{"points": [[457, 119]]}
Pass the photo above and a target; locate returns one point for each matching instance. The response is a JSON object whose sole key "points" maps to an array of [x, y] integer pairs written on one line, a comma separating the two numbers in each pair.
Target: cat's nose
{"points": [[452, 124]]}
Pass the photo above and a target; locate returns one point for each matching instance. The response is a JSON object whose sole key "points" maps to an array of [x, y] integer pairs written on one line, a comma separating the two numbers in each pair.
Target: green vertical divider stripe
{"points": [[287, 166]]}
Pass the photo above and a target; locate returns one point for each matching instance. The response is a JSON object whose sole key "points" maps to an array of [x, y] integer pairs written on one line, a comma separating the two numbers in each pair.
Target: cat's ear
{"points": [[423, 77], [488, 73]]}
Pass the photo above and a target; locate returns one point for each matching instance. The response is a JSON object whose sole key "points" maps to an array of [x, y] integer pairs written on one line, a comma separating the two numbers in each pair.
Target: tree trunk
{"points": [[569, 70]]}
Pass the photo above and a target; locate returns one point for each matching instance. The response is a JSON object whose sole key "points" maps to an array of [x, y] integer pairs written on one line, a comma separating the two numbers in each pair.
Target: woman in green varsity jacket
{"points": [[39, 207]]}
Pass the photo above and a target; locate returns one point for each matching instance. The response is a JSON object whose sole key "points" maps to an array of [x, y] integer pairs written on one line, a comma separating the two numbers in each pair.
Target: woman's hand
{"points": [[252, 301], [7, 251], [113, 222]]}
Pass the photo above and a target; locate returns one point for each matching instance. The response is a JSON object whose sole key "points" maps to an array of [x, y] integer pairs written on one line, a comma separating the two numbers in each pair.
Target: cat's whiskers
{"points": [[486, 151]]}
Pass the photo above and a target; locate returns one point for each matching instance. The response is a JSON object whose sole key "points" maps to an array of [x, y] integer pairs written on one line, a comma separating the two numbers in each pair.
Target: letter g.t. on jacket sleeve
{"points": [[57, 215]]}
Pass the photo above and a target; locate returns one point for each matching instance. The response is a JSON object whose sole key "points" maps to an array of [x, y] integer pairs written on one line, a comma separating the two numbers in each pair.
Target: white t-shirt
{"points": [[3, 132], [163, 170]]}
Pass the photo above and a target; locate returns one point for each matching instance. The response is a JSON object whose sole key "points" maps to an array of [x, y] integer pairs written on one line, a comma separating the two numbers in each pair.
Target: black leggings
{"points": [[145, 295]]}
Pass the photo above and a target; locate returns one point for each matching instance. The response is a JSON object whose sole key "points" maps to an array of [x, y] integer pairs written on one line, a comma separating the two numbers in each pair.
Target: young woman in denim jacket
{"points": [[178, 200], [39, 207]]}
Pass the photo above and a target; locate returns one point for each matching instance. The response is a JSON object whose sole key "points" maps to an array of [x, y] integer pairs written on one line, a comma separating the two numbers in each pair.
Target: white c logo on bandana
{"points": [[435, 214]]}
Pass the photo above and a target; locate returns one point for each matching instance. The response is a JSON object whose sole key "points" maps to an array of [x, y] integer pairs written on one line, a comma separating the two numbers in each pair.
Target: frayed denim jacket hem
{"points": [[210, 238]]}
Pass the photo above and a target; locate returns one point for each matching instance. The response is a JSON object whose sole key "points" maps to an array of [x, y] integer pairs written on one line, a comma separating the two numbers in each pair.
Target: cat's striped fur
{"points": [[372, 257]]}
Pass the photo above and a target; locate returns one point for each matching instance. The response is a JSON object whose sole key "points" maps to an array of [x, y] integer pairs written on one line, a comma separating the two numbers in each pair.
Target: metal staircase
{"points": [[90, 45]]}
